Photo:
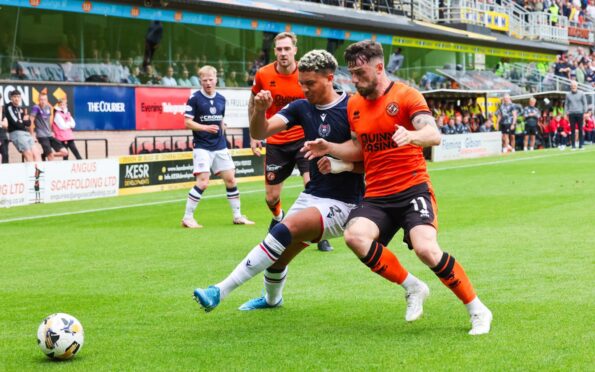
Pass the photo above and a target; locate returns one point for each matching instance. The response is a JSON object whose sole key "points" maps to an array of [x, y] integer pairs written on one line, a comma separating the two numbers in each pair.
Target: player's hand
{"points": [[324, 165], [263, 100], [315, 149], [402, 136], [212, 128], [256, 146]]}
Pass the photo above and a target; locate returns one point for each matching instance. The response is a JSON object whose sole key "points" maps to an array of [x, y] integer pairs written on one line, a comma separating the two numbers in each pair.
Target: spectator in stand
{"points": [[507, 117], [63, 125], [3, 135], [450, 110], [561, 129], [231, 80], [195, 79], [168, 80], [589, 127], [531, 114], [41, 118], [487, 126], [184, 80], [475, 110], [18, 127], [395, 61], [554, 11], [150, 77], [575, 107], [450, 127], [562, 67], [152, 40], [134, 77]]}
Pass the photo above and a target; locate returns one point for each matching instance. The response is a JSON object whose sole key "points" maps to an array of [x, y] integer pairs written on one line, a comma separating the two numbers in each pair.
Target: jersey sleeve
{"points": [[257, 85], [416, 104], [35, 111], [190, 108], [290, 114]]}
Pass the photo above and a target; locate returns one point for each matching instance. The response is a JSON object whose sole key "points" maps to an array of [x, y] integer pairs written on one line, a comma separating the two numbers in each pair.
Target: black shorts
{"points": [[49, 143], [281, 159], [407, 209], [506, 129], [531, 129]]}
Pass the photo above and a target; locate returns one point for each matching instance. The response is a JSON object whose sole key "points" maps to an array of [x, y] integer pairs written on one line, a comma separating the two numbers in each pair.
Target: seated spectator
{"points": [[231, 81], [195, 79], [487, 126], [134, 77], [168, 80], [460, 126], [450, 127], [19, 125], [65, 53], [63, 125], [561, 129], [184, 80], [150, 77], [40, 117]]}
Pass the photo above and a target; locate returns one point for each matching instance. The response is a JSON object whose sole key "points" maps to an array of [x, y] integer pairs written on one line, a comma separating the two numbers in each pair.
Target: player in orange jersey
{"points": [[390, 124], [282, 149]]}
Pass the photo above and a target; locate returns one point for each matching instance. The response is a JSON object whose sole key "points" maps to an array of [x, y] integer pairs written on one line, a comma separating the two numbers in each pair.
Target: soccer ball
{"points": [[60, 336]]}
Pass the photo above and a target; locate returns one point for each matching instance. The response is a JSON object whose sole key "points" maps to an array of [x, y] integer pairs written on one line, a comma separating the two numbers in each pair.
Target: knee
{"points": [[428, 252], [358, 242]]}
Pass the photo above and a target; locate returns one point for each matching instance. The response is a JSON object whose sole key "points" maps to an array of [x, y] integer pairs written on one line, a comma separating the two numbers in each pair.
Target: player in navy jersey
{"points": [[204, 115], [321, 210]]}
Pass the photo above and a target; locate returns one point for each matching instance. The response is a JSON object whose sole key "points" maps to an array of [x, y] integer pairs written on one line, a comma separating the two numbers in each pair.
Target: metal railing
{"points": [[164, 143], [87, 140]]}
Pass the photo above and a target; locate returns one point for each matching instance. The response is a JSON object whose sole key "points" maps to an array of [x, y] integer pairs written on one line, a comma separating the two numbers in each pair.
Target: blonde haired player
{"points": [[205, 110]]}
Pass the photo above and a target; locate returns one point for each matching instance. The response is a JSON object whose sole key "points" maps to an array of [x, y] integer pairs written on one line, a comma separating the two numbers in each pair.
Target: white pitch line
{"points": [[16, 219], [262, 190]]}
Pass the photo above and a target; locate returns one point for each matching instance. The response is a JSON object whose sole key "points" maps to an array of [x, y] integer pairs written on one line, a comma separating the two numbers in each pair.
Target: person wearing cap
{"points": [[18, 127]]}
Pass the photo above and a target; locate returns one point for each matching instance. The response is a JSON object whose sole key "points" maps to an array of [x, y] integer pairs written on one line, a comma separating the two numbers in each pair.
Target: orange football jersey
{"points": [[389, 168], [284, 89]]}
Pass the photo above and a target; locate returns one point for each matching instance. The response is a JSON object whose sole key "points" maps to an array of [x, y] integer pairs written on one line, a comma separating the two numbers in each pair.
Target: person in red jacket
{"points": [[589, 127], [561, 129]]}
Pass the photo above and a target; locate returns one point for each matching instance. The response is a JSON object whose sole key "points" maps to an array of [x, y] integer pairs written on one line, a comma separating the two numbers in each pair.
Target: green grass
{"points": [[522, 226]]}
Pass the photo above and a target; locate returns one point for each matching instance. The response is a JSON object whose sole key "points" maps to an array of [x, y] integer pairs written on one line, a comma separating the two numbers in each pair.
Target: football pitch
{"points": [[522, 225]]}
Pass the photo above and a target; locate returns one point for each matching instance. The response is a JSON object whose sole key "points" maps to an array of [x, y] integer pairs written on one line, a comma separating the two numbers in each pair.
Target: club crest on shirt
{"points": [[324, 130], [392, 109], [213, 110]]}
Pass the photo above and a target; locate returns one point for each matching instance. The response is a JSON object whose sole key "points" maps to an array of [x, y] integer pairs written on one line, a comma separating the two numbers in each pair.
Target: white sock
{"points": [[260, 257], [410, 282], [273, 285], [192, 201], [233, 196], [475, 306]]}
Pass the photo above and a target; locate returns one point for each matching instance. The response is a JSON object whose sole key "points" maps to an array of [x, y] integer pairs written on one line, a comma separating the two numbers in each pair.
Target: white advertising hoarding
{"points": [[465, 146], [47, 182]]}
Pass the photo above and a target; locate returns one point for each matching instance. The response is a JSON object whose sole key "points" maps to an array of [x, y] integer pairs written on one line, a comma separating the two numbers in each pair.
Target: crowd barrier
{"points": [[48, 182]]}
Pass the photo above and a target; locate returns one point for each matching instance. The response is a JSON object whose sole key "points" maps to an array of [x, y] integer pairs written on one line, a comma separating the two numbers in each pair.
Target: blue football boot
{"points": [[259, 303], [208, 298]]}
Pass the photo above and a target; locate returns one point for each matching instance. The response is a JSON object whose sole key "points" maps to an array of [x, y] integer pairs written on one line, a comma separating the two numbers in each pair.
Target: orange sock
{"points": [[451, 273], [384, 263], [276, 209]]}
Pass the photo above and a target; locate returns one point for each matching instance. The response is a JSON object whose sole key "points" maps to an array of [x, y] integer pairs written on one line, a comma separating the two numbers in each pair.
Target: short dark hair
{"points": [[363, 51], [14, 93], [317, 60]]}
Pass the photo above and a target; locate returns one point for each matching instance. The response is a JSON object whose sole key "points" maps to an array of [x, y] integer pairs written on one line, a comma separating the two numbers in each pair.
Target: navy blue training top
{"points": [[330, 123], [207, 110]]}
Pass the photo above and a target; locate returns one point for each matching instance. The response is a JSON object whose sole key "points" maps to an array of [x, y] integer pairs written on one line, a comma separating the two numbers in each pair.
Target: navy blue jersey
{"points": [[330, 123], [207, 110]]}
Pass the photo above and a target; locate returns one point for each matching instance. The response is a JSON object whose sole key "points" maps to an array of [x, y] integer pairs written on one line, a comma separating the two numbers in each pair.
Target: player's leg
{"points": [[279, 163], [301, 226], [512, 140], [504, 140], [202, 163], [420, 223], [525, 142], [223, 165], [368, 231]]}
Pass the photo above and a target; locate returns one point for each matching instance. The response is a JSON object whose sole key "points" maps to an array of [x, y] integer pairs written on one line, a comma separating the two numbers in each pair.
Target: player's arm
{"points": [[260, 126], [191, 124], [255, 145], [426, 132], [328, 165], [350, 151]]}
